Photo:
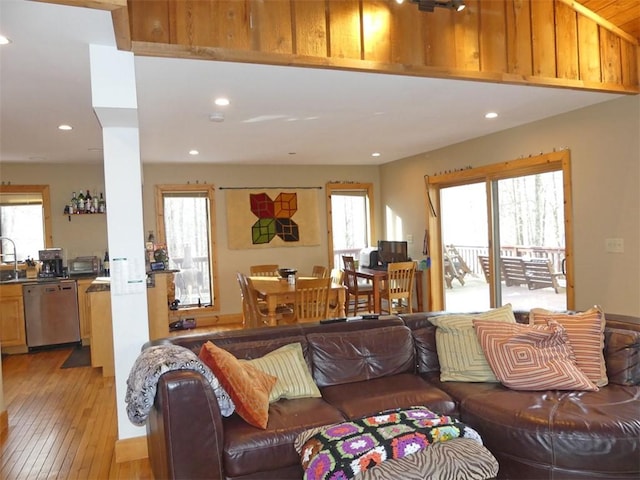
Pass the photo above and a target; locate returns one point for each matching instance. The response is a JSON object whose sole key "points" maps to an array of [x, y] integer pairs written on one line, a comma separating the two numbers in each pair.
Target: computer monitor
{"points": [[392, 251]]}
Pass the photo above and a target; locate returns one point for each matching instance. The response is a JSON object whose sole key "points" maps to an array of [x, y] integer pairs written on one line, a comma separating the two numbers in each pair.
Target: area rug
{"points": [[79, 357]]}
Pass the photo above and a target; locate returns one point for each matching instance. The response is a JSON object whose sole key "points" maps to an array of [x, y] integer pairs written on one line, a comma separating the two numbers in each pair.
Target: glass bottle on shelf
{"points": [[105, 264], [102, 205], [80, 208], [88, 202]]}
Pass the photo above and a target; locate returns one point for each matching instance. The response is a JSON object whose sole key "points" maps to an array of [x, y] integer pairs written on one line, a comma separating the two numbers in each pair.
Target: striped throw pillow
{"points": [[459, 352], [531, 357], [288, 366], [586, 336]]}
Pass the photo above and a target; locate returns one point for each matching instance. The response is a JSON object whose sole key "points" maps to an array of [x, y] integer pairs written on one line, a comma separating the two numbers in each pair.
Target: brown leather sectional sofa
{"points": [[366, 366]]}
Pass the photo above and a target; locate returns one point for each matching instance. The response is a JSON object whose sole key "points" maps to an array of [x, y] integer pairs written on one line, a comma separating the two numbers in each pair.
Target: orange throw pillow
{"points": [[247, 386]]}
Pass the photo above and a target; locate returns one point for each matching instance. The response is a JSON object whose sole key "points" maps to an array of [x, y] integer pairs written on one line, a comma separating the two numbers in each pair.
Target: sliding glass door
{"points": [[530, 241], [465, 241], [500, 236]]}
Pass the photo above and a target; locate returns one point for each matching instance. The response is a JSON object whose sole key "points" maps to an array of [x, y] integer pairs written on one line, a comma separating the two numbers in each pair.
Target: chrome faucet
{"points": [[15, 256]]}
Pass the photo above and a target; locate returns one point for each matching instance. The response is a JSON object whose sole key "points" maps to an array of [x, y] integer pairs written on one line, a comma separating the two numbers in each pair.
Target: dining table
{"points": [[378, 276], [277, 291]]}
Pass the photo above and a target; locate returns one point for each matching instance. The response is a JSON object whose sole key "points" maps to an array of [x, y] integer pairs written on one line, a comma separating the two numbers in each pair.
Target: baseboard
{"points": [[4, 420], [131, 449]]}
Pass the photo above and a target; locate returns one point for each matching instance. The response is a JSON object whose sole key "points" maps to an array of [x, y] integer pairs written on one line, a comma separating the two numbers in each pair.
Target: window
{"points": [[25, 218], [349, 207], [186, 225], [500, 235]]}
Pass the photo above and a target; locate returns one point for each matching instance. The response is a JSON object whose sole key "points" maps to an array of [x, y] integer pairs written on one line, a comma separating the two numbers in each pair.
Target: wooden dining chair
{"points": [[398, 288], [264, 270], [312, 299], [319, 271], [359, 295], [337, 278], [348, 262], [247, 314], [256, 310]]}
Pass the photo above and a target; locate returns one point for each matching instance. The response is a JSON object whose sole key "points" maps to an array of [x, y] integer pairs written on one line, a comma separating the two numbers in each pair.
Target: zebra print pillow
{"points": [[456, 459]]}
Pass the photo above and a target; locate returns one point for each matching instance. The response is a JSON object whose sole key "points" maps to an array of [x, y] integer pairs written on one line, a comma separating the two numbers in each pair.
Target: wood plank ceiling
{"points": [[625, 14]]}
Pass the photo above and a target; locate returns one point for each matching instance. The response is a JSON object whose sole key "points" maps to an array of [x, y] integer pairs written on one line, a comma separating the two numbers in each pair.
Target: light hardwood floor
{"points": [[62, 422]]}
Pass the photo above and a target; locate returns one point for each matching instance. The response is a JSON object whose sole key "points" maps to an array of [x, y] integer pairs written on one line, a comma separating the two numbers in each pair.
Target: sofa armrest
{"points": [[184, 428]]}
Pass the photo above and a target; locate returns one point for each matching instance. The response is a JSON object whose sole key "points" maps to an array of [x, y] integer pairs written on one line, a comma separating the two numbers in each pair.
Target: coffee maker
{"points": [[51, 259]]}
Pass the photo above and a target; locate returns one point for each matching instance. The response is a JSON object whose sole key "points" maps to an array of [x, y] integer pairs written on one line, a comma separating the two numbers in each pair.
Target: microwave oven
{"points": [[84, 266]]}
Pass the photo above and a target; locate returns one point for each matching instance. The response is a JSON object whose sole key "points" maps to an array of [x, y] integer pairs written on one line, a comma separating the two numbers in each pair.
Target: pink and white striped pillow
{"points": [[586, 336], [531, 357]]}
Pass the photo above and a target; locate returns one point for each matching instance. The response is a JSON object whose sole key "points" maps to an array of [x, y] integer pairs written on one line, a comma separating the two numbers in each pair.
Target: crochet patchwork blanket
{"points": [[344, 450], [151, 364]]}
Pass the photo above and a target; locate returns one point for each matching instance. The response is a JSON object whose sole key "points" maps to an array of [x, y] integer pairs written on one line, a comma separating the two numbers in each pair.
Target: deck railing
{"points": [[470, 254]]}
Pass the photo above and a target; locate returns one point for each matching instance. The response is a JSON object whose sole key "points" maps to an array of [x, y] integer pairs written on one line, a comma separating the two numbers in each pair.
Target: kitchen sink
{"points": [[9, 276]]}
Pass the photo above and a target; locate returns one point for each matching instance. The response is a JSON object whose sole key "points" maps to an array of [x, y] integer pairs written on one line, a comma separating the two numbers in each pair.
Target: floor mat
{"points": [[79, 357]]}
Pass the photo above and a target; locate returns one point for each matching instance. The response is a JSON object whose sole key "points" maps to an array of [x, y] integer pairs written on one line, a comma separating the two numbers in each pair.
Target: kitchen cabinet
{"points": [[83, 310], [158, 305], [98, 298], [101, 336], [13, 338]]}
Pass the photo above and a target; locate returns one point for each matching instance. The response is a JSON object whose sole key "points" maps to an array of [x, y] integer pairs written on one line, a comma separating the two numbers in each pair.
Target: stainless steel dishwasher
{"points": [[51, 313]]}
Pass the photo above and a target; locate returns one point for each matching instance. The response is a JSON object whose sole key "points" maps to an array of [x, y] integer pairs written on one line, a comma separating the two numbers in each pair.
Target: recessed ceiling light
{"points": [[193, 152], [65, 127], [375, 154], [490, 115], [221, 102], [4, 40]]}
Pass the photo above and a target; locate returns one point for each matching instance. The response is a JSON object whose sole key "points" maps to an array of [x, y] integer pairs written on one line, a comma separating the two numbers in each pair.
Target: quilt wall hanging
{"points": [[267, 218]]}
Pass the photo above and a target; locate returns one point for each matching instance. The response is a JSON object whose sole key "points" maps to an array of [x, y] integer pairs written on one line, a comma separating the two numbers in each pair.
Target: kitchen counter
{"points": [[103, 284], [100, 284], [23, 280]]}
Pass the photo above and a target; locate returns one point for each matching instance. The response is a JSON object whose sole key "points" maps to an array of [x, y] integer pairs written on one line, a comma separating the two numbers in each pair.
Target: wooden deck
{"points": [[474, 296]]}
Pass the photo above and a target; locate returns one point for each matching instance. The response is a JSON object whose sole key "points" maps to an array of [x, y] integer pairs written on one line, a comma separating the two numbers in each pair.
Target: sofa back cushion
{"points": [[272, 337], [622, 355], [253, 349], [426, 351], [346, 357]]}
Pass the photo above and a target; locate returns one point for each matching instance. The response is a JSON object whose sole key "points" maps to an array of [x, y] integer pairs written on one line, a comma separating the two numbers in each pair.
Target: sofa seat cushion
{"points": [[556, 434], [359, 399], [461, 390], [248, 450]]}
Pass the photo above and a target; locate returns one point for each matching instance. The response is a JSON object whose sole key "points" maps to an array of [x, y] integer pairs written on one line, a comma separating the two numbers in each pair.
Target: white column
{"points": [[114, 100]]}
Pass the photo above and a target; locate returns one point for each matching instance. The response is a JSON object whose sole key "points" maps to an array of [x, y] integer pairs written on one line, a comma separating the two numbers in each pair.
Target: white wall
{"points": [[605, 151], [87, 234], [231, 261]]}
